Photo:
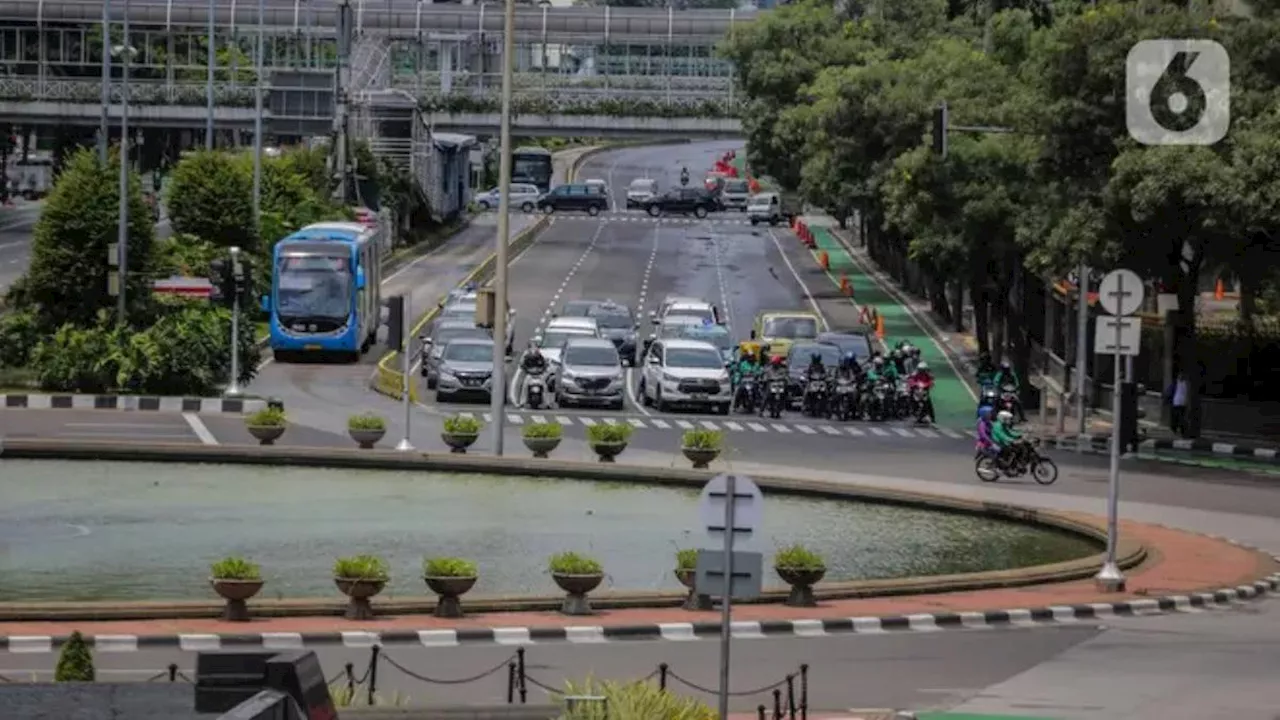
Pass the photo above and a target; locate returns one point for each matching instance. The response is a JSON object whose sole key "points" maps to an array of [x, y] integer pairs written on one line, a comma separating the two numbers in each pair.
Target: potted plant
{"points": [[686, 569], [366, 429], [542, 438], [450, 578], [801, 568], [460, 432], [235, 580], [608, 440], [266, 425], [360, 578], [576, 575], [702, 446]]}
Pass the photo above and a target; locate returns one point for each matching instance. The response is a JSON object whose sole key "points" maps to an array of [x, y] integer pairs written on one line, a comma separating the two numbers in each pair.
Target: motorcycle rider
{"points": [[849, 369], [744, 368], [922, 378], [816, 370], [532, 362], [1007, 376], [1008, 440], [776, 371], [684, 176], [986, 373], [985, 443]]}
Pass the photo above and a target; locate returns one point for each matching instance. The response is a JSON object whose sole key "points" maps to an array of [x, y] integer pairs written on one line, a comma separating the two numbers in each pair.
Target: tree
{"points": [[75, 661], [211, 197], [67, 279]]}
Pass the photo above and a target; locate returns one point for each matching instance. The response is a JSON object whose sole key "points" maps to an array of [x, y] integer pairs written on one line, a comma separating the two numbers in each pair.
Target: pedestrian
{"points": [[1177, 394]]}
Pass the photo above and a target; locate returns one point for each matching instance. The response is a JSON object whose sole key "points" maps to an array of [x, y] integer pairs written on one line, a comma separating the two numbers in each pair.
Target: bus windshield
{"points": [[313, 286], [533, 167]]}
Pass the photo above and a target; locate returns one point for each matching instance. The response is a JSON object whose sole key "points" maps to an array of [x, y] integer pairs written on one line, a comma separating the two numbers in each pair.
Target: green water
{"points": [[82, 531]]}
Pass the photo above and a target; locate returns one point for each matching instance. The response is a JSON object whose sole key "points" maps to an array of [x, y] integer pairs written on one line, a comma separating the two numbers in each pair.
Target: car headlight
{"points": [[668, 377], [568, 377], [447, 374]]}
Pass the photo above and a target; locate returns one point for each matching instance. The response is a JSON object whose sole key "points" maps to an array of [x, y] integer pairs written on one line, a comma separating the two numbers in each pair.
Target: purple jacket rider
{"points": [[985, 442]]}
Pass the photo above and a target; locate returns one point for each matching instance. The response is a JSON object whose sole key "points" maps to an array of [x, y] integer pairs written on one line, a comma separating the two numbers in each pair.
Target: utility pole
{"points": [[342, 81], [257, 120], [208, 91], [122, 229], [104, 126], [500, 318]]}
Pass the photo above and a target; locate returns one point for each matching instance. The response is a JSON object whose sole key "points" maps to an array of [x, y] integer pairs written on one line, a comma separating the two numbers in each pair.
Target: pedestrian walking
{"points": [[1177, 396]]}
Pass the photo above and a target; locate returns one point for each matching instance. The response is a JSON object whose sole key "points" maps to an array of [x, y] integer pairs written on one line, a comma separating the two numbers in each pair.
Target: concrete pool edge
{"points": [[1131, 553]]}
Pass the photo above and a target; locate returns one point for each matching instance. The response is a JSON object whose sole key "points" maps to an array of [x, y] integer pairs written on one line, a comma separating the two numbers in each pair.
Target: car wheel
{"points": [[755, 221], [655, 211], [484, 206], [547, 209], [593, 210], [560, 401], [527, 207], [699, 212], [658, 403], [723, 409]]}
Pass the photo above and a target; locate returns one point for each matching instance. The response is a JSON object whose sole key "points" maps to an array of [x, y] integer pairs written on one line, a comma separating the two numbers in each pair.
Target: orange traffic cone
{"points": [[845, 287], [879, 326], [1219, 292], [824, 260]]}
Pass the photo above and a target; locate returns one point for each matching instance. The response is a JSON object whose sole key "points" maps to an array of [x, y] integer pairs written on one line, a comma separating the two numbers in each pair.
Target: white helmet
{"points": [[1004, 416], [922, 365]]}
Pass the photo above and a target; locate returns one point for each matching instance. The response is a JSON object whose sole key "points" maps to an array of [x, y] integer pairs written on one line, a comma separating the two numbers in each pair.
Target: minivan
{"points": [[735, 194], [523, 196], [576, 197]]}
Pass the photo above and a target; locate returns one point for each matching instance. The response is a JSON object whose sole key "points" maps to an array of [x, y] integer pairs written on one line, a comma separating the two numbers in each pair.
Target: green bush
{"points": [[235, 568], [703, 439], [210, 196], [571, 563], [609, 433], [638, 700], [461, 425], [187, 255], [75, 661], [798, 557], [266, 417], [366, 421], [686, 559], [362, 567], [448, 567], [543, 430], [19, 336]]}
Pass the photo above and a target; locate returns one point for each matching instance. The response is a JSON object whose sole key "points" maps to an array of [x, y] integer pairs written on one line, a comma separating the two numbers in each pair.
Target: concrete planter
{"points": [[235, 592], [576, 588], [266, 434], [541, 447], [700, 457], [366, 438], [801, 581], [694, 601], [450, 589], [607, 451], [359, 591], [459, 442]]}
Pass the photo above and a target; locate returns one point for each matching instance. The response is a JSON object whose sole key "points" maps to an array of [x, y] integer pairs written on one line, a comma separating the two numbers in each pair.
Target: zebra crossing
{"points": [[639, 216], [752, 426]]}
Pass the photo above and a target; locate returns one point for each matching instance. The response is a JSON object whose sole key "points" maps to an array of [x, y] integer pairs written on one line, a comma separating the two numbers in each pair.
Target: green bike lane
{"points": [[953, 401]]}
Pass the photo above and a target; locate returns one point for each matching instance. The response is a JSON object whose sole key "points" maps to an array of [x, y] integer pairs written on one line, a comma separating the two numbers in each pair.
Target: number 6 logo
{"points": [[1178, 92]]}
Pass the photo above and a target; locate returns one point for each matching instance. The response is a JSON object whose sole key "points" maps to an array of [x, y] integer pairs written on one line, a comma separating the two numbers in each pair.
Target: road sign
{"points": [[748, 574], [1117, 335], [1121, 292], [748, 506]]}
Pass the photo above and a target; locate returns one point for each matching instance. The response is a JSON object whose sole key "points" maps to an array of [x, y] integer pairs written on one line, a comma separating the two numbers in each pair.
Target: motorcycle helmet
{"points": [[1004, 365], [776, 361], [984, 412], [877, 361], [1004, 416], [850, 360], [922, 366], [915, 352]]}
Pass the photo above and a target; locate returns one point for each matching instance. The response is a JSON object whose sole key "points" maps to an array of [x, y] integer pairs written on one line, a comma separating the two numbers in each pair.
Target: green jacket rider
{"points": [[1002, 431], [745, 367], [1006, 375]]}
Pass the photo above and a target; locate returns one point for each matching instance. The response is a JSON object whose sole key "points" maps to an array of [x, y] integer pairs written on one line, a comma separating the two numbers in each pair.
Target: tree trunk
{"points": [[957, 306], [1185, 358], [999, 316], [981, 317]]}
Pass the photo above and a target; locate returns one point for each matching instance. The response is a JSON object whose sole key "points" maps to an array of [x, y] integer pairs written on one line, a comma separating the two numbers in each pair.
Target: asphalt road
{"points": [[16, 224]]}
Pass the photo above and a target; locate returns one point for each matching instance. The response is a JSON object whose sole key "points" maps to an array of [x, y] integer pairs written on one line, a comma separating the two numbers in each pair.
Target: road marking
{"points": [[588, 422], [903, 432], [757, 427], [733, 426], [199, 428], [782, 428], [709, 425], [808, 295], [879, 432], [950, 433], [660, 423], [539, 419], [684, 425], [854, 431], [927, 432], [806, 429], [829, 429], [636, 422], [515, 419], [564, 420]]}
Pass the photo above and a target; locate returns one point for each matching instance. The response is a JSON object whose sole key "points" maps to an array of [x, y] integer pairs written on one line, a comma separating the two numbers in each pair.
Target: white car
{"points": [[558, 331], [684, 306], [523, 196], [641, 191], [688, 373]]}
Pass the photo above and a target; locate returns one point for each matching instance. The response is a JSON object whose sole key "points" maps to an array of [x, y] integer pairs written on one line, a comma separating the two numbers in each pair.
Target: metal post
{"points": [[236, 273], [342, 78], [1082, 344], [122, 230], [104, 127], [406, 344], [499, 384], [209, 83], [257, 120], [726, 603], [1109, 578]]}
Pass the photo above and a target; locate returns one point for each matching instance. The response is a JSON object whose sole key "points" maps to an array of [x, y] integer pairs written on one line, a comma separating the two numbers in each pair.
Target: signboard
{"points": [[748, 575], [1121, 292], [748, 510], [184, 287], [1118, 335]]}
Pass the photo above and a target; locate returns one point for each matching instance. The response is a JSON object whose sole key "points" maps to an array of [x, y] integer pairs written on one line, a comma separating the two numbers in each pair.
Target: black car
{"points": [[683, 201], [798, 364], [616, 322], [857, 342], [576, 197]]}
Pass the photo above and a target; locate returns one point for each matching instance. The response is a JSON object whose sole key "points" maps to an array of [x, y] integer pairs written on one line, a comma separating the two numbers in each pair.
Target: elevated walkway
{"points": [[602, 126]]}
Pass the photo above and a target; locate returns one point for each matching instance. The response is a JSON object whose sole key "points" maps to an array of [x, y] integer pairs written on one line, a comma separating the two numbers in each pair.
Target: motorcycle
{"points": [[1009, 398], [1043, 470], [987, 397], [684, 178], [745, 395], [776, 399], [877, 404], [920, 404], [845, 404], [535, 391], [815, 398], [902, 401]]}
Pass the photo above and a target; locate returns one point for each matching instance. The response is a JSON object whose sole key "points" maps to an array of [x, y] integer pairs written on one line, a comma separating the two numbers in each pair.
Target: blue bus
{"points": [[325, 297], [532, 165]]}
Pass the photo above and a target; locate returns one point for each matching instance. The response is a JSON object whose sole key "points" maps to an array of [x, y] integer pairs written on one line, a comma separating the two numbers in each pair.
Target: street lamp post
{"points": [[104, 127], [500, 319], [257, 120], [122, 230]]}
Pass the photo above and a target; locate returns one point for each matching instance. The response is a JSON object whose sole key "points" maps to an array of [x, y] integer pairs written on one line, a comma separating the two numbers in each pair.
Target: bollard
{"points": [[804, 692], [173, 672], [791, 696], [350, 670], [521, 677], [511, 682], [761, 713], [373, 673], [777, 704], [662, 676]]}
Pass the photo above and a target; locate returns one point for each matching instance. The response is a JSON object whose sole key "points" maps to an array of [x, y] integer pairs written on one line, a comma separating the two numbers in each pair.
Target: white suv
{"points": [[685, 372], [523, 196], [641, 191]]}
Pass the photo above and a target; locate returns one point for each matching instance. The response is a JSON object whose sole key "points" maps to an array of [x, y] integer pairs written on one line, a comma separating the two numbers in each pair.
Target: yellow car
{"points": [[780, 328]]}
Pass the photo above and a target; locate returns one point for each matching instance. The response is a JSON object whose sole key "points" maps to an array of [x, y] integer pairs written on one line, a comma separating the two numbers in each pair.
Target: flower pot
{"points": [[235, 592], [359, 591], [459, 442], [608, 450], [541, 446], [700, 457], [266, 434], [801, 581], [576, 588], [694, 601], [366, 438], [449, 589]]}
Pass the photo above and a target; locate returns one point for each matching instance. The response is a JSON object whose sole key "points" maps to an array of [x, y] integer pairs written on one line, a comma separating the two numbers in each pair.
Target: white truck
{"points": [[773, 207]]}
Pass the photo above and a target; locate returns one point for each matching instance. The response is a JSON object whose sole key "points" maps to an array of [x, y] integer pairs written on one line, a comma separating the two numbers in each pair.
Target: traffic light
{"points": [[395, 321], [243, 279], [940, 122], [223, 279]]}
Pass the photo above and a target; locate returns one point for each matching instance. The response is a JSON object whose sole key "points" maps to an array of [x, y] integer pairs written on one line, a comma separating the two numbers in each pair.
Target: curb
{"points": [[40, 401], [672, 632], [1102, 443]]}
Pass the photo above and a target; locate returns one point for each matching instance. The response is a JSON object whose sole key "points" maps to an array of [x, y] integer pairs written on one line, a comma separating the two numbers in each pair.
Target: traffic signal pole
{"points": [[236, 272]]}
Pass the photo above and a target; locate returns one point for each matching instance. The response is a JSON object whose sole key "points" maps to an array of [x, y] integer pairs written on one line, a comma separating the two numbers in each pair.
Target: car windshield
{"points": [[849, 344], [577, 309], [591, 356], [469, 352], [735, 186], [701, 315], [714, 334], [612, 319], [556, 339], [694, 358], [313, 286], [444, 336], [458, 312], [801, 355], [790, 327]]}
